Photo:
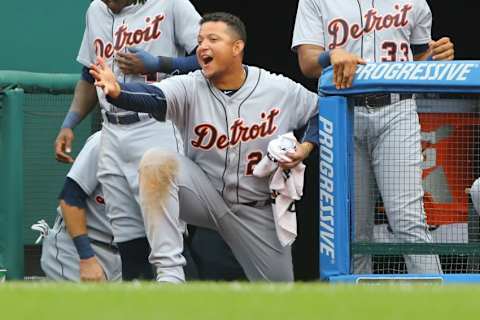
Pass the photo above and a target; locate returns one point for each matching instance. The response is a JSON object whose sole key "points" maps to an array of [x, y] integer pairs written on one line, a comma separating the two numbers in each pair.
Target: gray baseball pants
{"points": [[388, 154], [189, 195], [60, 260]]}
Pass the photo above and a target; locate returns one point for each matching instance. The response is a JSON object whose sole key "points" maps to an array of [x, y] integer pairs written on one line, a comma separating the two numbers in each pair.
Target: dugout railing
{"points": [[447, 98], [32, 107]]}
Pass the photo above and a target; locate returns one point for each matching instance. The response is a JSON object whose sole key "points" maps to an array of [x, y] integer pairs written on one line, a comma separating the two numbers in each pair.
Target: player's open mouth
{"points": [[206, 59]]}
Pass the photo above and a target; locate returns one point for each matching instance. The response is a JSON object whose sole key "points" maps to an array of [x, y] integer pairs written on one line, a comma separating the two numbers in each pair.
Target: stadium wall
{"points": [[41, 36]]}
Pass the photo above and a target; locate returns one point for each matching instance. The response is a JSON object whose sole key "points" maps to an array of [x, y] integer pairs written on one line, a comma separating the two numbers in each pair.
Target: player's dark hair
{"points": [[230, 20]]}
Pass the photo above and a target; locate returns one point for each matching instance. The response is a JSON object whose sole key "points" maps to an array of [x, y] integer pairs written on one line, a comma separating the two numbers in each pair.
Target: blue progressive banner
{"points": [[336, 181], [409, 77]]}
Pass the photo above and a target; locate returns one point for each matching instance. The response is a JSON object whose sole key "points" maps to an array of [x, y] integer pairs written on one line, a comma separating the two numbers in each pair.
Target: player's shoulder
{"points": [[196, 75], [312, 3], [164, 5], [419, 3], [84, 168], [193, 77], [271, 78], [97, 7], [188, 81], [92, 145]]}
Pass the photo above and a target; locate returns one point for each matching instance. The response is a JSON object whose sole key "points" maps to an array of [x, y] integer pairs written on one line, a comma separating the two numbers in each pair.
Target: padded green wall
{"points": [[43, 176], [41, 36]]}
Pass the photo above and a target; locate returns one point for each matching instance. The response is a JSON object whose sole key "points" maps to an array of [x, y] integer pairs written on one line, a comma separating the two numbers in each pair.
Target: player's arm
{"points": [[308, 60], [84, 100], [309, 142], [313, 59], [138, 61], [73, 206], [139, 97], [440, 50]]}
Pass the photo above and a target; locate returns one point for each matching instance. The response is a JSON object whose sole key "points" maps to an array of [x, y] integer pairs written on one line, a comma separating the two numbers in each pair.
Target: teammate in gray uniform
{"points": [[163, 28], [227, 113], [91, 255], [345, 33]]}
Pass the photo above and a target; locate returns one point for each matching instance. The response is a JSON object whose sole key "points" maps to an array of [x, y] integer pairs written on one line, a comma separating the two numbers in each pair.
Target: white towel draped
{"points": [[286, 186]]}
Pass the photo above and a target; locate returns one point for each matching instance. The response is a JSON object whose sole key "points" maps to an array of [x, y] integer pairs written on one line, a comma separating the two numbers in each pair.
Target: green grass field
{"points": [[198, 301]]}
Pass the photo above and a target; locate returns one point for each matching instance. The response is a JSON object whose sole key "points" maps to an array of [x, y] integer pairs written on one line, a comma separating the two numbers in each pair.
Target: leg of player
{"points": [[132, 244], [363, 220], [118, 174], [396, 159], [161, 216], [214, 258], [124, 215], [192, 196], [60, 260]]}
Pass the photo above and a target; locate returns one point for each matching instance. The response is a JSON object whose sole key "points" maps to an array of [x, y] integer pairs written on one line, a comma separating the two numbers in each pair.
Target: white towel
{"points": [[286, 186]]}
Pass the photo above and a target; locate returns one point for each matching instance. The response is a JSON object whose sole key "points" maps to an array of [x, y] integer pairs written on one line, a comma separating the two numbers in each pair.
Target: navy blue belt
{"points": [[258, 203], [379, 100], [128, 118]]}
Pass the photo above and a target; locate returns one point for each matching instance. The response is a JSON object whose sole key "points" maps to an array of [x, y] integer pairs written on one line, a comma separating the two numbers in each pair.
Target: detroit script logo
{"points": [[340, 30], [207, 136], [129, 38]]}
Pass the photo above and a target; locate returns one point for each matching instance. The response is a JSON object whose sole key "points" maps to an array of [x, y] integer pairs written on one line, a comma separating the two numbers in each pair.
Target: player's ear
{"points": [[238, 47]]}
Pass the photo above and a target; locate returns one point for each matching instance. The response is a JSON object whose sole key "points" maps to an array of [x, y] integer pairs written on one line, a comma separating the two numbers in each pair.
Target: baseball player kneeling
{"points": [[80, 245], [227, 113]]}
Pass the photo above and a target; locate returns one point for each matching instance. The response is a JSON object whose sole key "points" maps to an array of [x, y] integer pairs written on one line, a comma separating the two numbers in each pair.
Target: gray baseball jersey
{"points": [[225, 137], [162, 28], [375, 30], [386, 137], [228, 144], [60, 260]]}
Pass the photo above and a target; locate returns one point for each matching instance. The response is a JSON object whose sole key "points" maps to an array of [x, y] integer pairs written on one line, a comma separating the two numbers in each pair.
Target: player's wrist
{"points": [[164, 64], [115, 93], [89, 260], [151, 63], [324, 59], [72, 119], [83, 246], [307, 147]]}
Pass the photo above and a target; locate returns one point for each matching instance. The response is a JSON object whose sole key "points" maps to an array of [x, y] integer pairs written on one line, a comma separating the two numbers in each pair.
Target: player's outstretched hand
{"points": [[302, 151], [137, 61], [344, 67], [90, 270], [63, 145], [104, 78], [442, 49]]}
